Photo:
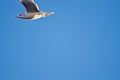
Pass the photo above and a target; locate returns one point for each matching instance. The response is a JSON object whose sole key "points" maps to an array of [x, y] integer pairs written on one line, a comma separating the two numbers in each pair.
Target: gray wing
{"points": [[30, 6]]}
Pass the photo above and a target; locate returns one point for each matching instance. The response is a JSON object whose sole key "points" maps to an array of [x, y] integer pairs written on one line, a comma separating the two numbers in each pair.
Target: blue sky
{"points": [[81, 41]]}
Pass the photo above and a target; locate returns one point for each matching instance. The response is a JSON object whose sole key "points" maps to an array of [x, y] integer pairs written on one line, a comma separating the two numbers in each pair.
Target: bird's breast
{"points": [[36, 16], [32, 16]]}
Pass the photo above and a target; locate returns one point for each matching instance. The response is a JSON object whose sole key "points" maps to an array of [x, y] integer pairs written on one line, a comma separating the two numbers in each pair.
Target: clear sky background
{"points": [[81, 41]]}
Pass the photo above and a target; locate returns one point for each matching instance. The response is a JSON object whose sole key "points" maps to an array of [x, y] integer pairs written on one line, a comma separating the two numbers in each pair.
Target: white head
{"points": [[21, 16]]}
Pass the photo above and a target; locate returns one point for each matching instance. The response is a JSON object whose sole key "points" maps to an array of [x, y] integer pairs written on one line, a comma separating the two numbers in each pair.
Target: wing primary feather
{"points": [[30, 6]]}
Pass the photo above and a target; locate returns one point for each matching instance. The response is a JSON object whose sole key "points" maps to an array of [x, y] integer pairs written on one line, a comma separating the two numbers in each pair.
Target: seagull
{"points": [[32, 11]]}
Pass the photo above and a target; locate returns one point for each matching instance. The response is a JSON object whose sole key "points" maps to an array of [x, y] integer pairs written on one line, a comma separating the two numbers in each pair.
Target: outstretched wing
{"points": [[30, 6]]}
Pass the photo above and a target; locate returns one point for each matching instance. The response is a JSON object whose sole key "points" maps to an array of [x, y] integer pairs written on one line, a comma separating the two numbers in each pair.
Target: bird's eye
{"points": [[21, 14]]}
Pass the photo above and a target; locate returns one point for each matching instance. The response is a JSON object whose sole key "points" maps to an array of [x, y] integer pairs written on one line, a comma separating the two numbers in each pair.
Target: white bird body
{"points": [[33, 11]]}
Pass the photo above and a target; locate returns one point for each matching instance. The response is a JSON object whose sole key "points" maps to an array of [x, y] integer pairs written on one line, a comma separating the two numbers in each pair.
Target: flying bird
{"points": [[32, 11]]}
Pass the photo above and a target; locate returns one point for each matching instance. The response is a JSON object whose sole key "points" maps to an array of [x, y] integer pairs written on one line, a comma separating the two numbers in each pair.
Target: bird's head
{"points": [[20, 16]]}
